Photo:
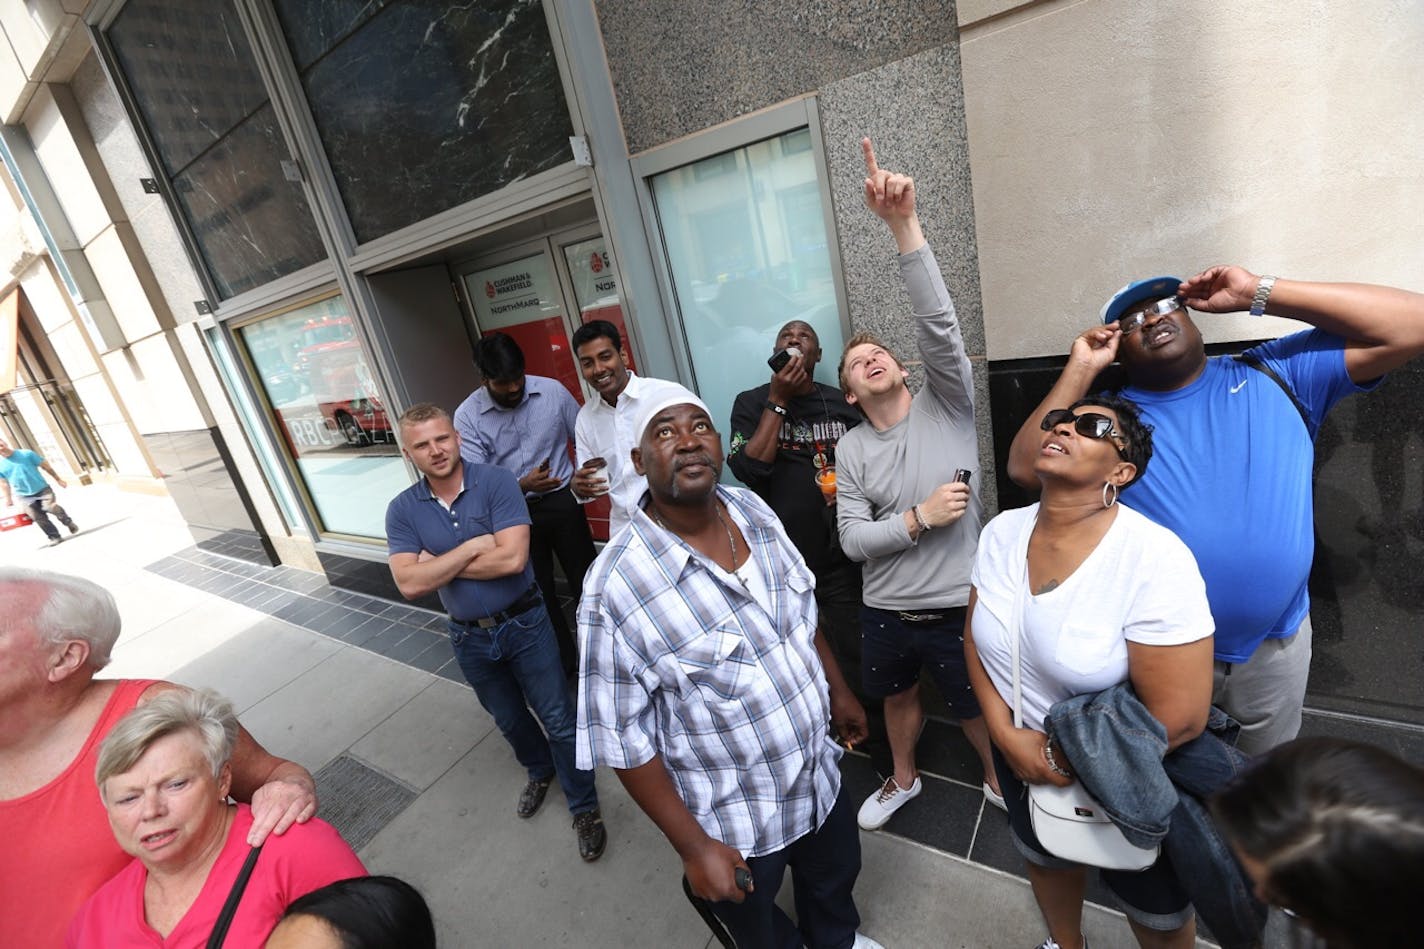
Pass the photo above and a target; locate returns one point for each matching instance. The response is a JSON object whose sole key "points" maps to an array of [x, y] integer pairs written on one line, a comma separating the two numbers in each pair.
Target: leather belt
{"points": [[930, 616], [537, 498], [526, 601]]}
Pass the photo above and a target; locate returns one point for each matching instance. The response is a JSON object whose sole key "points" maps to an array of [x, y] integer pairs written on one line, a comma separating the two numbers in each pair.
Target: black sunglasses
{"points": [[1089, 425]]}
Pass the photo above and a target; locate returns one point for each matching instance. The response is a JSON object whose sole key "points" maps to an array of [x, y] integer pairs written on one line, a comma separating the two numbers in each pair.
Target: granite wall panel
{"points": [[925, 137], [697, 64]]}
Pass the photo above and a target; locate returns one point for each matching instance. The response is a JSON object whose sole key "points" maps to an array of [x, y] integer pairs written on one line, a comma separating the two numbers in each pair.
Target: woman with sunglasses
{"points": [[1097, 595]]}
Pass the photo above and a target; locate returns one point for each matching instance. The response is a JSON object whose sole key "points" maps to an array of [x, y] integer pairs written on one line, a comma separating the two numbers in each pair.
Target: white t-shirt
{"points": [[1140, 583]]}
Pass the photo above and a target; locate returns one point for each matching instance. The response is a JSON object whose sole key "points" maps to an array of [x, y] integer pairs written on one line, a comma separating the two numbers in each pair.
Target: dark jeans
{"points": [[558, 527], [515, 667], [838, 605], [824, 865], [41, 506]]}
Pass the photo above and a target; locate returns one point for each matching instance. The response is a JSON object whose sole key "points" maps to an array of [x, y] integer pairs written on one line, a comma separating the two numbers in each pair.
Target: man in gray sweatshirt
{"points": [[901, 511]]}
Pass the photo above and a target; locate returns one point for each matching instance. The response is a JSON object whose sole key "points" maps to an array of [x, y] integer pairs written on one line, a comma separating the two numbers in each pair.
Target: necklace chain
{"points": [[731, 540]]}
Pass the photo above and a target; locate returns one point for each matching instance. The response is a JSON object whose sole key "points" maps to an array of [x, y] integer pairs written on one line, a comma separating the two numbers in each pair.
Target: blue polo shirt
{"points": [[22, 470], [491, 501]]}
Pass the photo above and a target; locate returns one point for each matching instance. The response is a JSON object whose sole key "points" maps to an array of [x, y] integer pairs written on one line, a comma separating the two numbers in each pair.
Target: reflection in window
{"points": [[329, 413], [194, 80], [425, 105], [745, 238]]}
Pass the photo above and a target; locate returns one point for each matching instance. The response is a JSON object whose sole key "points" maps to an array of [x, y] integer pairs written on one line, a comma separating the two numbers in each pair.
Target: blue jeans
{"points": [[515, 667]]}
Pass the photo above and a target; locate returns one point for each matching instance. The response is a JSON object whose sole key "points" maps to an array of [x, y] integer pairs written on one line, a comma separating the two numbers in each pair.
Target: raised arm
{"points": [[891, 197], [756, 430], [1383, 327], [1092, 352]]}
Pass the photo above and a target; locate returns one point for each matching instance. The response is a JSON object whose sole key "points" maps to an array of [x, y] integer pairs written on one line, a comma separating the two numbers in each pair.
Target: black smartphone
{"points": [[544, 465], [963, 475], [779, 359]]}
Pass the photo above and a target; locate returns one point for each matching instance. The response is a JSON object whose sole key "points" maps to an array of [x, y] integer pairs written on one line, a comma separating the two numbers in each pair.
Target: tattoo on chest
{"points": [[1046, 588]]}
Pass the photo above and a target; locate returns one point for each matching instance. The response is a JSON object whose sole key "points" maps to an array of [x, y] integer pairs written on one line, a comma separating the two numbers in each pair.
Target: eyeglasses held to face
{"points": [[1089, 425], [1133, 321]]}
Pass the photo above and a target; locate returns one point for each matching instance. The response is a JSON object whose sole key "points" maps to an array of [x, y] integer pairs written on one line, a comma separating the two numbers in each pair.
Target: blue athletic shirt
{"points": [[1231, 475], [22, 470]]}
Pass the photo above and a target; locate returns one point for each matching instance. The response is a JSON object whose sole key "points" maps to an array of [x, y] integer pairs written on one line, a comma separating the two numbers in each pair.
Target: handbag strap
{"points": [[229, 909], [1016, 618]]}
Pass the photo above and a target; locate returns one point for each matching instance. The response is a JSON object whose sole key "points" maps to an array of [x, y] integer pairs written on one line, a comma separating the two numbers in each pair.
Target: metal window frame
{"points": [[740, 133]]}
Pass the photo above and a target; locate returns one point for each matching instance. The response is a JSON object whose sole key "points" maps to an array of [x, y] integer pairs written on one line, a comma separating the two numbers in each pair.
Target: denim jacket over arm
{"points": [[1119, 752]]}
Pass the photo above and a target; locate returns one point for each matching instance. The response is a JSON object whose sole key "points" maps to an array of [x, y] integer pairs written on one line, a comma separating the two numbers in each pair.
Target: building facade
{"points": [[247, 233]]}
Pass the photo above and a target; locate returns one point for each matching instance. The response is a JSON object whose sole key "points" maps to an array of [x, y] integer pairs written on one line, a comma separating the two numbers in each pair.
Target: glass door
{"points": [[540, 293]]}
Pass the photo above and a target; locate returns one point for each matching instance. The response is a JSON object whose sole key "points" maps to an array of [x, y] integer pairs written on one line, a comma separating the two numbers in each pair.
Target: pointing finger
{"points": [[869, 151]]}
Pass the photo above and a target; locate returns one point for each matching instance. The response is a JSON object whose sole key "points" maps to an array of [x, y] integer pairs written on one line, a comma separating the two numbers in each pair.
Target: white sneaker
{"points": [[880, 806], [862, 941]]}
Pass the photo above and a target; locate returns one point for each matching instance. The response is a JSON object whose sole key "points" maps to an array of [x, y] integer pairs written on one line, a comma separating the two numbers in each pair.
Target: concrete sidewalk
{"points": [[412, 770]]}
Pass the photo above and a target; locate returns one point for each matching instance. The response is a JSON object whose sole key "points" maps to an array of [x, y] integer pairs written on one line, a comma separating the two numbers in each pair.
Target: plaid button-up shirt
{"points": [[679, 661]]}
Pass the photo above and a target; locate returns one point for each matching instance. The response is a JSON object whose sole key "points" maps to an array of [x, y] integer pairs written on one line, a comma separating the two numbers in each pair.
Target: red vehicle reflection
{"points": [[335, 371]]}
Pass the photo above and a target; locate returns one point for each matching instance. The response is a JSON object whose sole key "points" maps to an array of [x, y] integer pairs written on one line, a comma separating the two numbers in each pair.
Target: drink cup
{"points": [[826, 481]]}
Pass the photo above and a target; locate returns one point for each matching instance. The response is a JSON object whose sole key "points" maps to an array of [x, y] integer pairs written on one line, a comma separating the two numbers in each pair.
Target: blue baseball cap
{"points": [[1139, 291]]}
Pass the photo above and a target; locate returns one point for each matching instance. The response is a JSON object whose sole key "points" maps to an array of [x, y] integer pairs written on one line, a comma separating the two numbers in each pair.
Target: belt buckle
{"points": [[487, 622], [920, 617]]}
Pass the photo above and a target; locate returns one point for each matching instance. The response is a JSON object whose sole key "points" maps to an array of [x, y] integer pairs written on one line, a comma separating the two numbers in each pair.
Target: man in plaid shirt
{"points": [[706, 685]]}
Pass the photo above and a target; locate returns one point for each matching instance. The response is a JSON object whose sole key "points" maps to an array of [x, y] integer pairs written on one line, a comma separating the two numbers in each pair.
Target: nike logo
{"points": [[1237, 388]]}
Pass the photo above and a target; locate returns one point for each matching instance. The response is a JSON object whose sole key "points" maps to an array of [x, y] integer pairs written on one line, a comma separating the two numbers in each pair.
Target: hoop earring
{"points": [[1106, 501]]}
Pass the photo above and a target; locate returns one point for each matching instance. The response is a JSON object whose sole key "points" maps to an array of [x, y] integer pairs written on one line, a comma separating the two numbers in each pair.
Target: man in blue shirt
{"points": [[1234, 450], [20, 474], [524, 424], [462, 531]]}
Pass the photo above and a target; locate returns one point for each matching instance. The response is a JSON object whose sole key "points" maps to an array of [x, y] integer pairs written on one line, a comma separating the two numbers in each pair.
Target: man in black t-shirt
{"points": [[783, 434]]}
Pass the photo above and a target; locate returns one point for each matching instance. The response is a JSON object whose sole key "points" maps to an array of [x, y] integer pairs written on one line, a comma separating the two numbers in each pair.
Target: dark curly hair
{"points": [[1136, 433], [1338, 827]]}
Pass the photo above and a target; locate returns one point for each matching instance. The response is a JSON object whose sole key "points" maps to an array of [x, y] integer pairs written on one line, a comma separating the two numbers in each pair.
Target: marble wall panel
{"points": [[428, 105], [923, 136], [191, 70], [251, 223], [314, 27], [698, 63]]}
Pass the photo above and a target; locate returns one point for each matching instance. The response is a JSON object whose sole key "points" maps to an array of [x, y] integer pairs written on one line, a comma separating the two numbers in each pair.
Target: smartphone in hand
{"points": [[781, 357]]}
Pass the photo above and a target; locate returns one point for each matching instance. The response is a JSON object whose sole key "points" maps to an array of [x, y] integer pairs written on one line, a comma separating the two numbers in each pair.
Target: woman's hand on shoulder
{"points": [[1022, 748]]}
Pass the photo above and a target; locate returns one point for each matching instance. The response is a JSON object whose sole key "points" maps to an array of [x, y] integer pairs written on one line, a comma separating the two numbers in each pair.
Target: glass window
{"points": [[745, 238], [195, 83], [426, 105], [329, 413]]}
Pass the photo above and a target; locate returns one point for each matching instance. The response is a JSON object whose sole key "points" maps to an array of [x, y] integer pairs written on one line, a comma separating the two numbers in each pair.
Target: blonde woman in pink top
{"points": [[164, 774]]}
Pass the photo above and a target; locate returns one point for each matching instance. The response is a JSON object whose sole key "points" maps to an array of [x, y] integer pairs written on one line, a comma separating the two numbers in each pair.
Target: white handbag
{"points": [[1068, 822]]}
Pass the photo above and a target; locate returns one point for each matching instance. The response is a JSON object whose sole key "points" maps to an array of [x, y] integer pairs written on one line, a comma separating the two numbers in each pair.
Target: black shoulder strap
{"points": [[229, 909], [1255, 363]]}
